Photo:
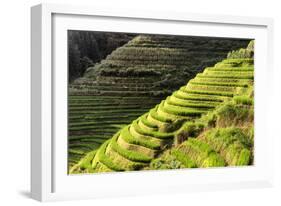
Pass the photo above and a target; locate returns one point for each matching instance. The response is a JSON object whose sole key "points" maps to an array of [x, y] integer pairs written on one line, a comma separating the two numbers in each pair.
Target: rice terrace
{"points": [[151, 102]]}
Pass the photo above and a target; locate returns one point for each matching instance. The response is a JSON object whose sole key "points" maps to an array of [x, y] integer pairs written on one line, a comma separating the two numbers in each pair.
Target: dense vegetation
{"points": [[206, 123], [85, 48], [133, 79]]}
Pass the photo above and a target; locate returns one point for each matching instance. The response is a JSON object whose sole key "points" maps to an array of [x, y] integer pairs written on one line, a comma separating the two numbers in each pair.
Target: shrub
{"points": [[183, 158], [220, 138], [251, 45], [230, 114], [166, 161], [242, 53], [213, 160], [244, 157], [243, 100], [250, 133], [209, 119], [201, 153], [237, 155], [189, 129], [232, 143]]}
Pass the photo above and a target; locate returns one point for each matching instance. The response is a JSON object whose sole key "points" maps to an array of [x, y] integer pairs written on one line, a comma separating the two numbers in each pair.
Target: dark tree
{"points": [[85, 63], [85, 48], [73, 61]]}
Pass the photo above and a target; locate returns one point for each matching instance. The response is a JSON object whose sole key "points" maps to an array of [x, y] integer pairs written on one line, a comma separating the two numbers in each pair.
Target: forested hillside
{"points": [[85, 48]]}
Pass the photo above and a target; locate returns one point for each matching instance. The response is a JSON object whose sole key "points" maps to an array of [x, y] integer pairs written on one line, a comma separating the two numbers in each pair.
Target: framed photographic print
{"points": [[137, 102]]}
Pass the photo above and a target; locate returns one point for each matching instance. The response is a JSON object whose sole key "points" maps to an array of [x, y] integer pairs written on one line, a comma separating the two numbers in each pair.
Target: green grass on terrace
{"points": [[218, 83], [155, 134], [155, 115], [193, 104], [217, 93], [104, 159], [231, 69], [129, 138], [200, 97], [129, 154], [147, 123], [229, 76]]}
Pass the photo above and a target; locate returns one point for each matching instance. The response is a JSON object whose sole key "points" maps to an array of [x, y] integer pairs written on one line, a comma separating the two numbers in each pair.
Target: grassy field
{"points": [[206, 123]]}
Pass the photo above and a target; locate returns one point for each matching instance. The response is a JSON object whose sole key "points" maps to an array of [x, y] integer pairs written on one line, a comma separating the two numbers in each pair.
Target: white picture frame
{"points": [[49, 181]]}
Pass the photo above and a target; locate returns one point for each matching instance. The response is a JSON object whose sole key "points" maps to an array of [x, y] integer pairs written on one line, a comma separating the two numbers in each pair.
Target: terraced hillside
{"points": [[133, 79], [208, 122]]}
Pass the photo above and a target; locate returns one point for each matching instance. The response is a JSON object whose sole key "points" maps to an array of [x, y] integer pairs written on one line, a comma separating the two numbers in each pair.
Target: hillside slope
{"points": [[216, 107], [85, 48], [133, 79]]}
